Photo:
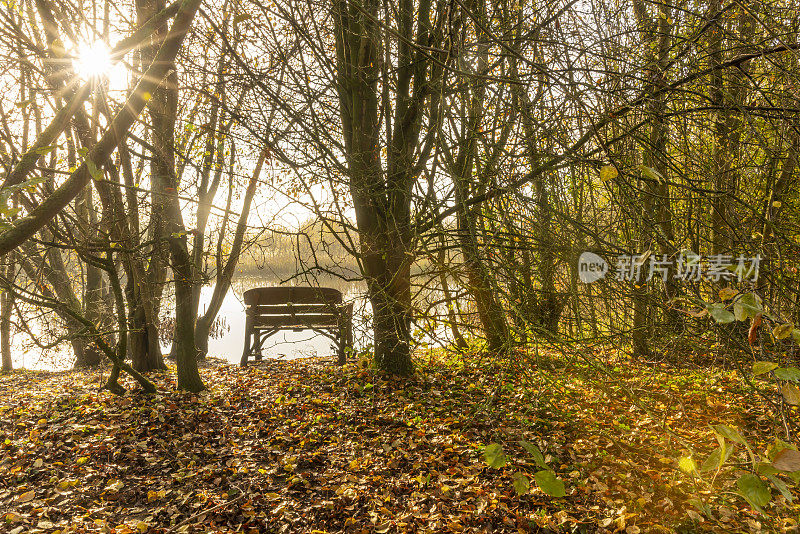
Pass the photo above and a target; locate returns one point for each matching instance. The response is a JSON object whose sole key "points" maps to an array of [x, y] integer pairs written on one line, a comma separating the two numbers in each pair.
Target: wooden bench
{"points": [[272, 309]]}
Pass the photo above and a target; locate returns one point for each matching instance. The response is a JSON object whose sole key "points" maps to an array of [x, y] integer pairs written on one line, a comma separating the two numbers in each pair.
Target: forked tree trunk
{"points": [[382, 201], [225, 276]]}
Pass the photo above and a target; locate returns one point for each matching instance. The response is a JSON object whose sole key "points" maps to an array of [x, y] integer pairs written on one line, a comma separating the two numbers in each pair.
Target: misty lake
{"points": [[228, 340]]}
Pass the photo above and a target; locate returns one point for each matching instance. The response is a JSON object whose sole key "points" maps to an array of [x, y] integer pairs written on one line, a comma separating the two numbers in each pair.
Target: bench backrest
{"points": [[261, 297]]}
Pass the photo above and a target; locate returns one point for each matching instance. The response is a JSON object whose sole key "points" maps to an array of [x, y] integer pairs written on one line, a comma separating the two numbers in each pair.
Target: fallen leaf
{"points": [[787, 460], [27, 496]]}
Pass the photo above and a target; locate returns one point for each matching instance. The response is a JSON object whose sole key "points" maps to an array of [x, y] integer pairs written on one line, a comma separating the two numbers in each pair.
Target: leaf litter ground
{"points": [[305, 446]]}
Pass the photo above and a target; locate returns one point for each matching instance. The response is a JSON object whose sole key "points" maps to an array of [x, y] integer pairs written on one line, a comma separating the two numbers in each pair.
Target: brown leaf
{"points": [[27, 496], [753, 333], [787, 460]]}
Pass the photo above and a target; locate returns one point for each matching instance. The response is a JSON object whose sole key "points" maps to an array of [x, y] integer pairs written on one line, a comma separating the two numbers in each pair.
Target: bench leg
{"points": [[248, 334], [345, 337], [259, 340]]}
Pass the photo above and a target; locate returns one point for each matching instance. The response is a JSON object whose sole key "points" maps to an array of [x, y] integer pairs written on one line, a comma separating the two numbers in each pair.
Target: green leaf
{"points": [[759, 368], [781, 487], [687, 465], [96, 173], [494, 456], [788, 373], [45, 149], [522, 484], [720, 314], [717, 458], [752, 488], [791, 394], [651, 173], [550, 483], [763, 468], [747, 305], [534, 451], [730, 433]]}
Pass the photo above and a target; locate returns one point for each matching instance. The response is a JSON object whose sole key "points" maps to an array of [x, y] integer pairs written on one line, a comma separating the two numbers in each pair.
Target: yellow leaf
{"points": [[142, 526], [82, 460], [727, 293], [687, 465], [608, 172], [791, 393]]}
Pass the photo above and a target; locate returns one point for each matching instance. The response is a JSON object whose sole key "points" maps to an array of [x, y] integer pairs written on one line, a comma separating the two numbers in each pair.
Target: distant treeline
{"points": [[315, 249]]}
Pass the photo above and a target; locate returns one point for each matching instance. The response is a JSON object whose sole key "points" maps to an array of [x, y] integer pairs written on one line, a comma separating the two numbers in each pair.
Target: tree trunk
{"points": [[471, 178], [144, 345], [6, 309], [162, 109], [167, 230], [186, 352], [382, 202]]}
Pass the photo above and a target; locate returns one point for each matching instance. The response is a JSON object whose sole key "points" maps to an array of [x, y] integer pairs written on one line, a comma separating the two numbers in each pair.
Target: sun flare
{"points": [[93, 60]]}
